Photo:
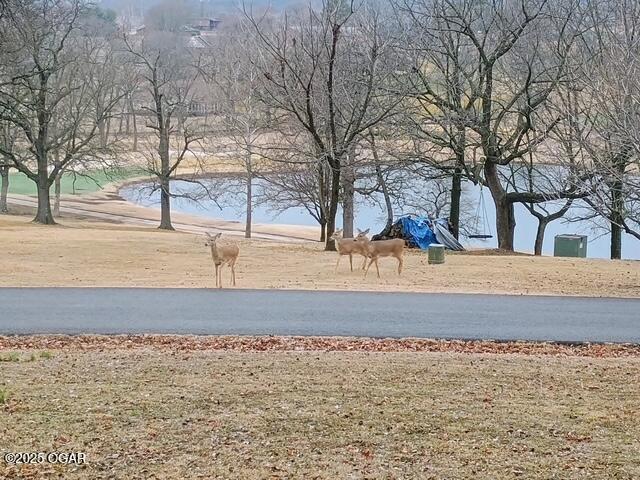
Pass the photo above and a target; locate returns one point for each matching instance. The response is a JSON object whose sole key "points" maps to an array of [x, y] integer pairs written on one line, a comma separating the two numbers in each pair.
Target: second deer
{"points": [[222, 255], [384, 248]]}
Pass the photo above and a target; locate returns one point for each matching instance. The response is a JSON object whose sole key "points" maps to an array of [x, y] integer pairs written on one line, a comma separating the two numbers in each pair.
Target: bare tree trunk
{"points": [[165, 205], [616, 237], [456, 193], [383, 186], [505, 218], [542, 225], [348, 181], [543, 221], [505, 224], [4, 188], [121, 123], [165, 184], [322, 190], [127, 120], [247, 228], [334, 198], [456, 180], [56, 189], [617, 211], [135, 126], [101, 133], [43, 214], [107, 132], [56, 198]]}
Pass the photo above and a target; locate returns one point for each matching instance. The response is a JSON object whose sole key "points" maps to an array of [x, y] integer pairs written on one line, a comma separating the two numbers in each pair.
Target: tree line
{"points": [[535, 101]]}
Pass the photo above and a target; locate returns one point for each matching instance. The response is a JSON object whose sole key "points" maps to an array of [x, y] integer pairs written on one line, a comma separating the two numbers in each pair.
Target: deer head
{"points": [[362, 234], [212, 239]]}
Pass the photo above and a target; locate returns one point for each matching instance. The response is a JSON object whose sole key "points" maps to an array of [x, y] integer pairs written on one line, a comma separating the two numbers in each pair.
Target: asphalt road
{"points": [[260, 312]]}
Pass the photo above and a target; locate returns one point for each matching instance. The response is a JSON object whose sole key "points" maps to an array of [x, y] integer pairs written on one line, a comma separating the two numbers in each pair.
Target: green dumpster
{"points": [[570, 246]]}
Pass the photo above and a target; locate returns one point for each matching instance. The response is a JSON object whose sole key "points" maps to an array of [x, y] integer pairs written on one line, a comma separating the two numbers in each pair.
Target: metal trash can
{"points": [[570, 246], [436, 254]]}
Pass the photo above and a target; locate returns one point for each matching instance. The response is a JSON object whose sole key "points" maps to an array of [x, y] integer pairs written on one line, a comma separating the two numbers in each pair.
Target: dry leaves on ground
{"points": [[338, 344]]}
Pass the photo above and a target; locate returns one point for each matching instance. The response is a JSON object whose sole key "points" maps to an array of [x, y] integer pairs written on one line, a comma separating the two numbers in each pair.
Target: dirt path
{"points": [[108, 206]]}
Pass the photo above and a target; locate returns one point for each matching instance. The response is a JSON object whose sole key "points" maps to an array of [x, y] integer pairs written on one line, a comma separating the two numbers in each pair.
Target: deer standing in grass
{"points": [[222, 255], [384, 248], [351, 246]]}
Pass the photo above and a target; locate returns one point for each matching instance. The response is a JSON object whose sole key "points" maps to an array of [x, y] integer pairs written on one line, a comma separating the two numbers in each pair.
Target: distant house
{"points": [[198, 27], [197, 33], [205, 24]]}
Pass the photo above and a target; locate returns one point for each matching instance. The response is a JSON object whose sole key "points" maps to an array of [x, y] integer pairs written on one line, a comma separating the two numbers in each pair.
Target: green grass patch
{"points": [[4, 396], [93, 181], [10, 357], [46, 355]]}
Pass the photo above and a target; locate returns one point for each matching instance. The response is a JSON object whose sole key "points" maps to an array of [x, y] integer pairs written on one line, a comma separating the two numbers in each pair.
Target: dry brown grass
{"points": [[81, 253], [161, 413]]}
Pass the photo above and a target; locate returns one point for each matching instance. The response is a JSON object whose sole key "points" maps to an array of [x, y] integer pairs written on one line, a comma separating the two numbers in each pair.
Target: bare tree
{"points": [[46, 53], [382, 183], [235, 81], [299, 185], [500, 63], [439, 113], [327, 70], [610, 116], [168, 71]]}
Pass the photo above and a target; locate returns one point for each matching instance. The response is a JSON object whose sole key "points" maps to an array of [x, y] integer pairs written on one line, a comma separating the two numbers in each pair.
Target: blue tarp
{"points": [[417, 230]]}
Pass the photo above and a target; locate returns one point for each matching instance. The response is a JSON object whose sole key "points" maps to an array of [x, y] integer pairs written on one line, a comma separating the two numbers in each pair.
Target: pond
{"points": [[370, 215]]}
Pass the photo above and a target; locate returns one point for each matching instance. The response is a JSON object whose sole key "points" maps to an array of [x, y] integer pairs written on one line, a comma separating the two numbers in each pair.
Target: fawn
{"points": [[351, 246], [222, 255]]}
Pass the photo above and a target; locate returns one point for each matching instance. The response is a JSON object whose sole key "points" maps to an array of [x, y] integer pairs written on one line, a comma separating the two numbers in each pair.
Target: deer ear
{"points": [[208, 234], [366, 231], [217, 235]]}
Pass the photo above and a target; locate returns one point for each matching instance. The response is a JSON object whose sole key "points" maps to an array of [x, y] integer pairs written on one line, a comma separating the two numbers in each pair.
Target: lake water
{"points": [[230, 207]]}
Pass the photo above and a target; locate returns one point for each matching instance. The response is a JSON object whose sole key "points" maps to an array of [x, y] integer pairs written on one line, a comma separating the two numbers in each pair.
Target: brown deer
{"points": [[384, 248], [222, 255], [351, 246]]}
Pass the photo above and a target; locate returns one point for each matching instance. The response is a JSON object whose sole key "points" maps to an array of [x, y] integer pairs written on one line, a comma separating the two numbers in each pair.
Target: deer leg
{"points": [[233, 273], [220, 276], [369, 266], [377, 269], [216, 265], [351, 261], [364, 262], [338, 263], [400, 262]]}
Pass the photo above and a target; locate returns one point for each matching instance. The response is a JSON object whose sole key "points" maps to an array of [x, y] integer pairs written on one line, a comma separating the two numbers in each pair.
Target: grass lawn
{"points": [[88, 253], [19, 183], [176, 413]]}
